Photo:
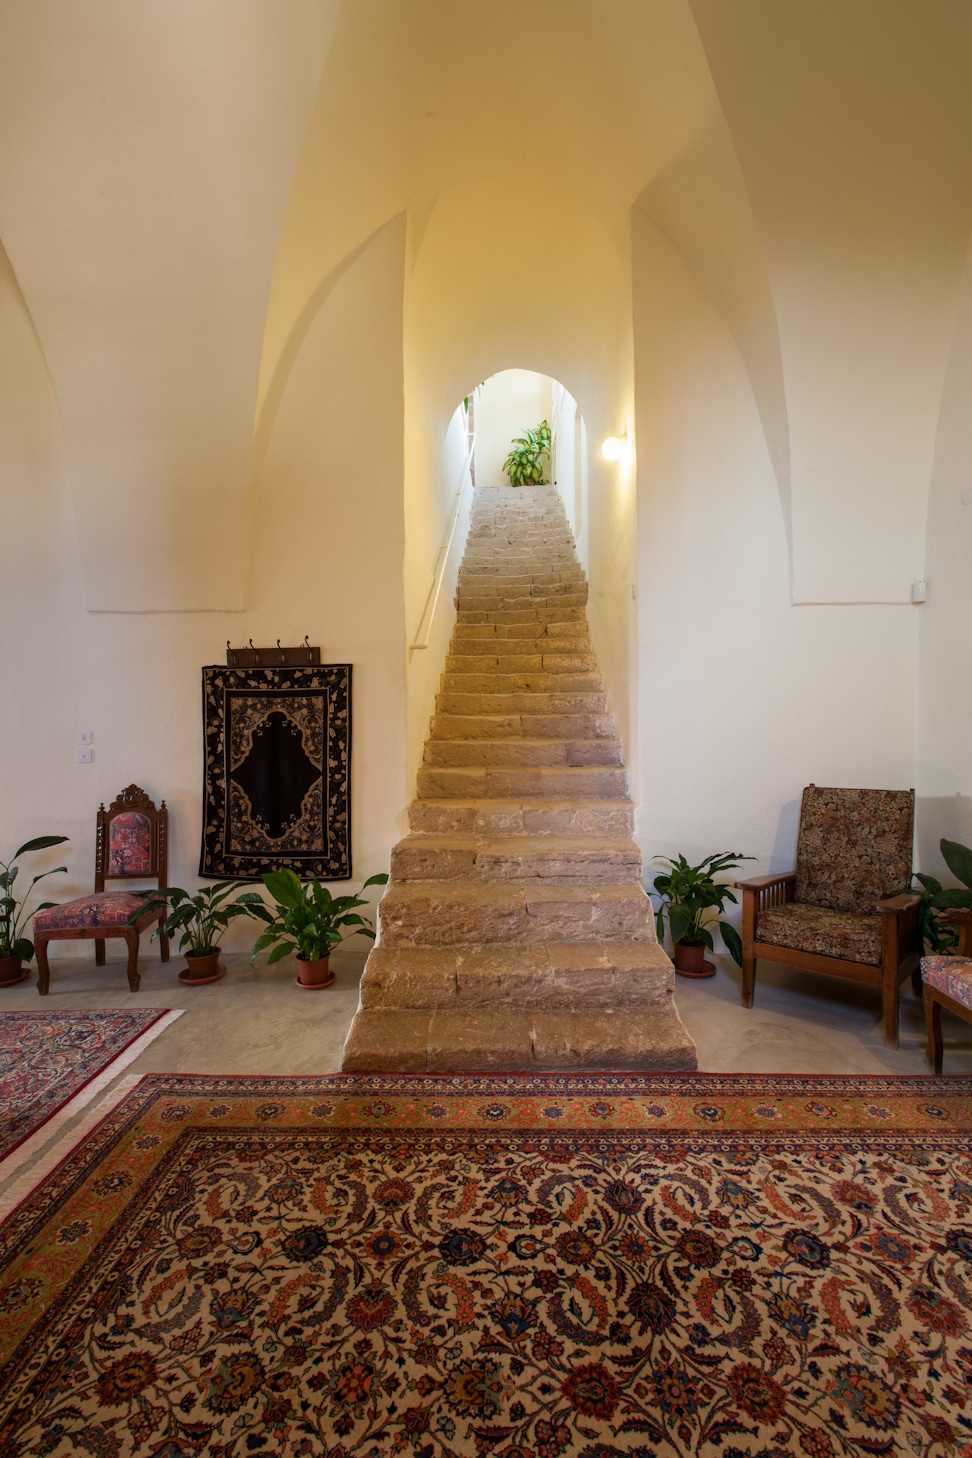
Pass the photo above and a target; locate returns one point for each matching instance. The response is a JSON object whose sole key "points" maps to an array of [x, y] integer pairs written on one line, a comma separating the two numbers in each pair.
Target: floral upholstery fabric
{"points": [[104, 908], [854, 847], [843, 934], [951, 975], [129, 845]]}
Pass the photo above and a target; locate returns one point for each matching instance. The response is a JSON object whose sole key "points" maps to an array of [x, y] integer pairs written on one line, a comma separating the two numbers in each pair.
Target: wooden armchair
{"points": [[131, 843], [948, 983], [842, 910]]}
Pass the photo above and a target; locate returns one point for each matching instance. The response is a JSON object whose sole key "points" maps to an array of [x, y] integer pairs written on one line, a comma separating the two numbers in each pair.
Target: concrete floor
{"points": [[257, 1021]]}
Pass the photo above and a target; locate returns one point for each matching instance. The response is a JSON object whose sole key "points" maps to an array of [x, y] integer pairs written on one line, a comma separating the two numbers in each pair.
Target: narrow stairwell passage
{"points": [[514, 933]]}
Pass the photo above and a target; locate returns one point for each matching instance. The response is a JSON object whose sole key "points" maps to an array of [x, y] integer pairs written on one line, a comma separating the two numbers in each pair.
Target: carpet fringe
{"points": [[18, 1191], [51, 1128]]}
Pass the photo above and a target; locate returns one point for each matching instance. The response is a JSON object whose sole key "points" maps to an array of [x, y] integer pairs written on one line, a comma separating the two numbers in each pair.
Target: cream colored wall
{"points": [[945, 685], [507, 404], [148, 156], [744, 698], [329, 542]]}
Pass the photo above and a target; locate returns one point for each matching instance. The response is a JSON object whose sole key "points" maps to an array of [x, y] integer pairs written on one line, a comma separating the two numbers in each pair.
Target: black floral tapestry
{"points": [[277, 787]]}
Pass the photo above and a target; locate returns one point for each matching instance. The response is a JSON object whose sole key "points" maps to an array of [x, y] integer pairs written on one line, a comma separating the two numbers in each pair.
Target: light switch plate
{"points": [[84, 756], [84, 736]]}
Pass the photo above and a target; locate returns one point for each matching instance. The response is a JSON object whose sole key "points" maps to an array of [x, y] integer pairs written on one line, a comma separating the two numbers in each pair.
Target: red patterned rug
{"points": [[520, 1267], [48, 1058]]}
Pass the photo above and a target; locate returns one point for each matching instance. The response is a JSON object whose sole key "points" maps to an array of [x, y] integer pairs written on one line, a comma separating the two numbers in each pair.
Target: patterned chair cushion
{"points": [[854, 847], [130, 845], [842, 934], [951, 975], [104, 908]]}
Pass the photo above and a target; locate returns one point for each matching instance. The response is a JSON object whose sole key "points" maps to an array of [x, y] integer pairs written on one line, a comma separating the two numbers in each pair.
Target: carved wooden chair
{"points": [[838, 912], [131, 844], [948, 983]]}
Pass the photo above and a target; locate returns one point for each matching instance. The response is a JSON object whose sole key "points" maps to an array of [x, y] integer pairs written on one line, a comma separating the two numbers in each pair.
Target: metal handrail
{"points": [[432, 601]]}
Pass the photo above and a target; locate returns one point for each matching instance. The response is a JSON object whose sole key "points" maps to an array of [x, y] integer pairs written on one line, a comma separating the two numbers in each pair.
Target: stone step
{"points": [[524, 683], [497, 575], [452, 702], [538, 583], [614, 1040], [525, 753], [515, 601], [576, 782], [541, 642], [574, 974], [567, 860], [536, 614], [439, 913], [522, 726], [549, 661], [521, 817], [521, 637]]}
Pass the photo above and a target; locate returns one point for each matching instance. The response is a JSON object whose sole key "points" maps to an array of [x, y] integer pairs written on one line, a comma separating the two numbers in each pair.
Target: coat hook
{"points": [[310, 656]]}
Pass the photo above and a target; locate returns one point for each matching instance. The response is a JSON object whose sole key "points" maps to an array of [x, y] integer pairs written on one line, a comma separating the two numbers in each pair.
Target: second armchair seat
{"points": [[848, 935]]}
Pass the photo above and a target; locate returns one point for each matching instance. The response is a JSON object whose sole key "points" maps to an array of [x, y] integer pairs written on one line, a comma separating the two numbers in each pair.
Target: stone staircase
{"points": [[514, 933]]}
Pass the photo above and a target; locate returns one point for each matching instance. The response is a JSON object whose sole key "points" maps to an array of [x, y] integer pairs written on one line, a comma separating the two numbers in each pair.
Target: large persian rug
{"points": [[276, 789], [50, 1060], [524, 1267]]}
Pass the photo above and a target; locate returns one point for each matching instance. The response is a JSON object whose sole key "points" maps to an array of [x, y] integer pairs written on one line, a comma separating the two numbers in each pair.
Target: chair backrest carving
{"points": [[854, 846], [131, 839]]}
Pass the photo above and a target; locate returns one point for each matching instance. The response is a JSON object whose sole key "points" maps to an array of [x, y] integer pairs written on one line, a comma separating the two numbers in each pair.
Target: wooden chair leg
{"points": [[163, 941], [916, 983], [933, 1023], [99, 951], [132, 938], [43, 968], [889, 999], [748, 976]]}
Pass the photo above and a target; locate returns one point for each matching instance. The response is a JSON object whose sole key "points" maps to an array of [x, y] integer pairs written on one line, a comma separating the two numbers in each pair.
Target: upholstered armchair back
{"points": [[854, 846]]}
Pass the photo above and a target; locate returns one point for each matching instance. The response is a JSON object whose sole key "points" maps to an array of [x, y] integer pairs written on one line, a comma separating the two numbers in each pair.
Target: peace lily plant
{"points": [[16, 949], [308, 920]]}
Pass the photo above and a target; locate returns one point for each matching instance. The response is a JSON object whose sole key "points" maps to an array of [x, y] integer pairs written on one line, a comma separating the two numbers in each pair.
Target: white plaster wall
{"points": [[945, 686], [507, 404], [329, 536], [443, 483], [744, 699]]}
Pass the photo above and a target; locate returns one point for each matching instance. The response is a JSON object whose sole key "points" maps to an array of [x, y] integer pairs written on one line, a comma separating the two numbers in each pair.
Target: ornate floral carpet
{"points": [[47, 1058], [520, 1267]]}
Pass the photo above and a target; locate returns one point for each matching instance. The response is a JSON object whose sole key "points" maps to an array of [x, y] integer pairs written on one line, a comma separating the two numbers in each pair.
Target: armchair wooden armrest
{"points": [[960, 917], [760, 883], [905, 901]]}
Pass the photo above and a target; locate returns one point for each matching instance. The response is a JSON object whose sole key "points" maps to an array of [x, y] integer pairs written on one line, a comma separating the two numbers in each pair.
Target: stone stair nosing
{"points": [[515, 933]]}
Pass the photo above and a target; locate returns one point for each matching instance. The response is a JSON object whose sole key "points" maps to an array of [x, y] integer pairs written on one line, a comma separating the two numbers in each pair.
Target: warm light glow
{"points": [[612, 448]]}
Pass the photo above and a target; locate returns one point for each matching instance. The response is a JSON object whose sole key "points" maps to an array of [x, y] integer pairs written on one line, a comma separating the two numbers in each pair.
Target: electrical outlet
{"points": [[84, 756], [84, 736]]}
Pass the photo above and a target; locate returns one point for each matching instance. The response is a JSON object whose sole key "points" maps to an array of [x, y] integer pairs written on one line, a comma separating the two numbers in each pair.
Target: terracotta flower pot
{"points": [[689, 959], [313, 975], [202, 969], [12, 970]]}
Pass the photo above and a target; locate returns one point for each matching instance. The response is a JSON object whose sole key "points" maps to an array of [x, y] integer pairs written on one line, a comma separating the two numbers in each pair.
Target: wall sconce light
{"points": [[613, 447]]}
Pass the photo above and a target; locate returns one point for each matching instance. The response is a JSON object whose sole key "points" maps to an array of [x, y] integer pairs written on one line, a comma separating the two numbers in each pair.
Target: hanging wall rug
{"points": [[277, 771], [53, 1063], [525, 1267]]}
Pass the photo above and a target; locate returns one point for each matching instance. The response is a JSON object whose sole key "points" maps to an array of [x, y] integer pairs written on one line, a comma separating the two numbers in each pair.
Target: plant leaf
{"points": [[732, 940], [958, 858], [41, 842]]}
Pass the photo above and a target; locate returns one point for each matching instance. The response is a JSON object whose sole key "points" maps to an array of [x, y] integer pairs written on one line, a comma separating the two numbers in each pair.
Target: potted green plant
{"points": [[937, 901], [198, 921], [687, 893], [15, 950], [529, 457], [307, 919]]}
